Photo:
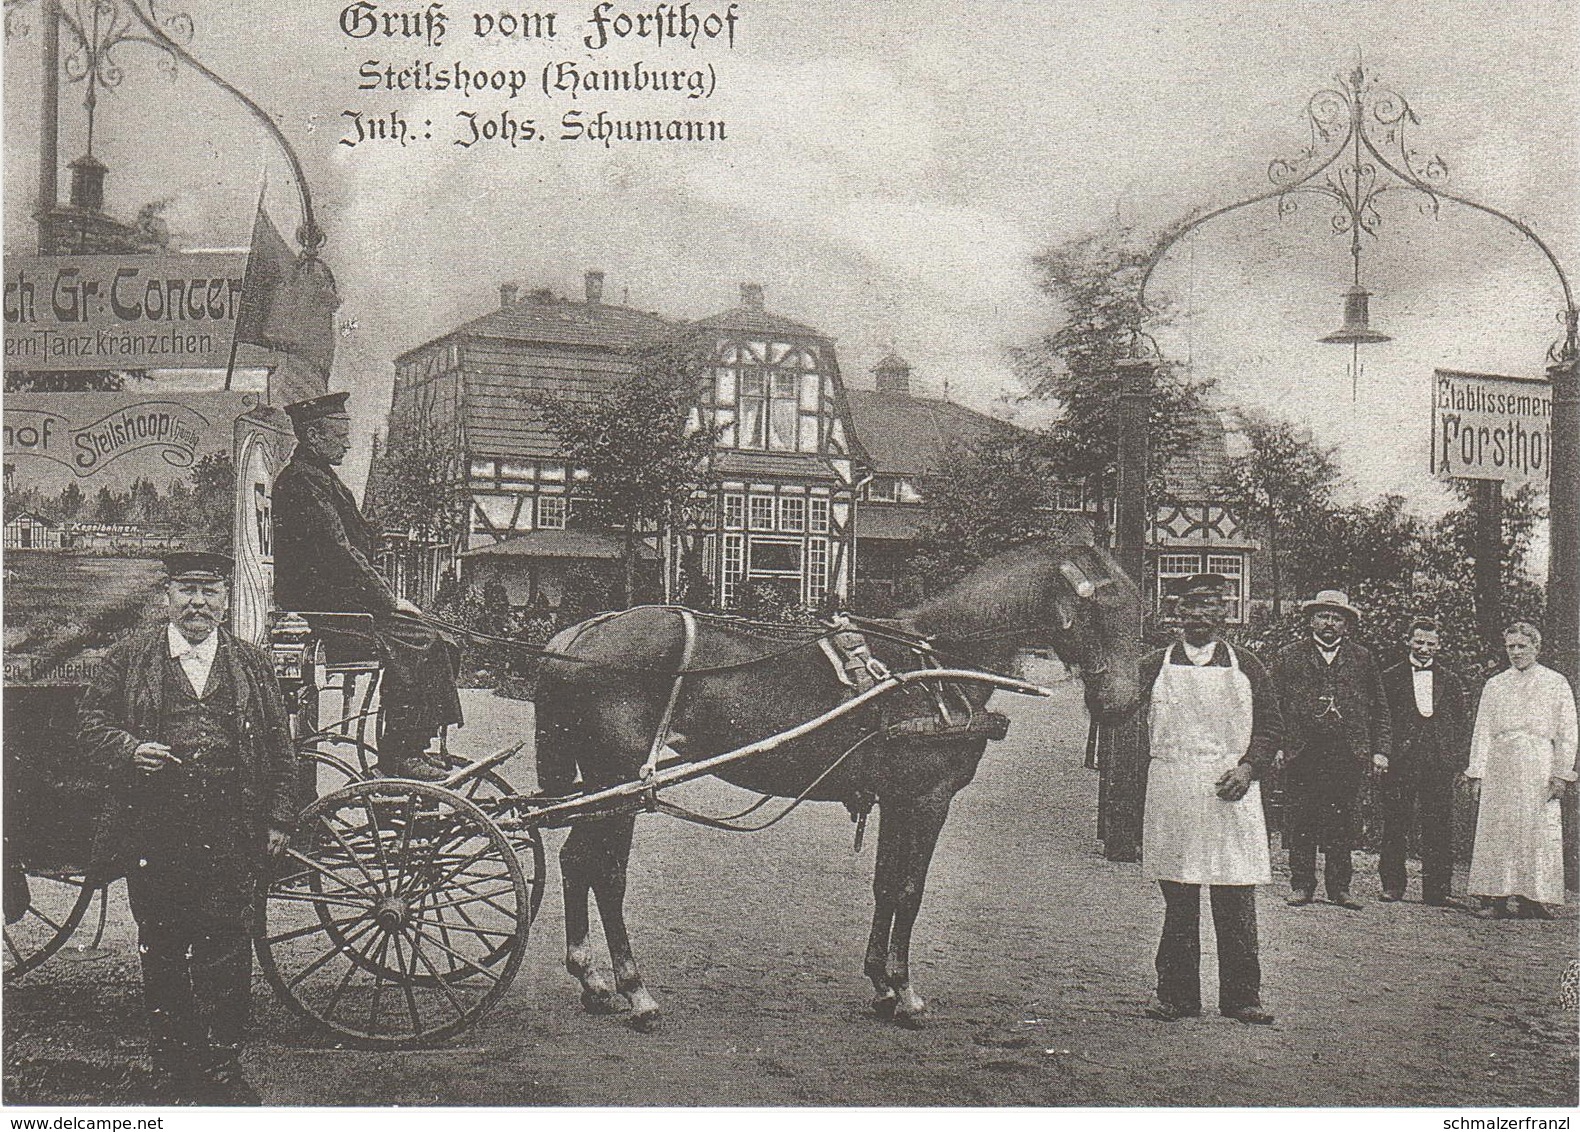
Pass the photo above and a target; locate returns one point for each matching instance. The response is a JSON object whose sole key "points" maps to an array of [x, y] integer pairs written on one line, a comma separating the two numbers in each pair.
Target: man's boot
{"points": [[401, 756], [224, 1083]]}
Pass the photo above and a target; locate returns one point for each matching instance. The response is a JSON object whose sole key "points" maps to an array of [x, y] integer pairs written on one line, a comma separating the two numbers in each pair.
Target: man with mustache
{"points": [[1212, 725], [1337, 731], [187, 728]]}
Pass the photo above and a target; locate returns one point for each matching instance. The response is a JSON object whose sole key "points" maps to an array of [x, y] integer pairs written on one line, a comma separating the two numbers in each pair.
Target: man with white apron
{"points": [[1212, 726]]}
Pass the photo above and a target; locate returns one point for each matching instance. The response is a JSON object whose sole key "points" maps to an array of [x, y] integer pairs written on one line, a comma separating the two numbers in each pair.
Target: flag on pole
{"points": [[288, 304]]}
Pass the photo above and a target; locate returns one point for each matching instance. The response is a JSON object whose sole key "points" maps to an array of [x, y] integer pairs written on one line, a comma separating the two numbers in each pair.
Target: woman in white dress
{"points": [[1522, 758]]}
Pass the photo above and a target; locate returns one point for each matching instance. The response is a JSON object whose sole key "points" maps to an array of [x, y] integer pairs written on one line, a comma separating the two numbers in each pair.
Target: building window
{"points": [[883, 489], [768, 409], [775, 558], [792, 513], [734, 512], [1069, 496], [551, 512], [762, 513], [817, 516], [734, 566], [1231, 566], [1173, 566], [816, 571]]}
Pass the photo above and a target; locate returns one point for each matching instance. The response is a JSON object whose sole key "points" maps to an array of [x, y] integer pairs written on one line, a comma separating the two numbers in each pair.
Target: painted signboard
{"points": [[121, 312], [1491, 427], [98, 487]]}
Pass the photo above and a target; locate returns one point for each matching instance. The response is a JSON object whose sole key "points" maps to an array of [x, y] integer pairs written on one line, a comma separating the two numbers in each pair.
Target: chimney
{"points": [[752, 296], [894, 376], [594, 281], [87, 183], [507, 294]]}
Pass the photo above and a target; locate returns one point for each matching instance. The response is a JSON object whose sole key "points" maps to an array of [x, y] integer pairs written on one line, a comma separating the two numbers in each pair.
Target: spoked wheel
{"points": [[489, 790], [398, 916], [42, 911]]}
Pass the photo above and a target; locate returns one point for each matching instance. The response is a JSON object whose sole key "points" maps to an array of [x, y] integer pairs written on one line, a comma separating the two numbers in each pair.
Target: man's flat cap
{"points": [[1213, 585], [199, 566], [317, 408]]}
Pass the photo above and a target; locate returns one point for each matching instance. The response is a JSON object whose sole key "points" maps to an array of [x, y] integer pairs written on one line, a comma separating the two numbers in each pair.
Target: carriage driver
{"points": [[1212, 726], [186, 728], [323, 549]]}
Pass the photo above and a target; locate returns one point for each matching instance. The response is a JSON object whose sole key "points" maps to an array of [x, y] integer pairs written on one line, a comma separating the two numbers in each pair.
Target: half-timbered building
{"points": [[779, 506]]}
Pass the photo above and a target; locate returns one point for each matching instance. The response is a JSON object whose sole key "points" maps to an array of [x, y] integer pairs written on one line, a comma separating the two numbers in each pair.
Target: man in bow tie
{"points": [[187, 729], [1431, 729]]}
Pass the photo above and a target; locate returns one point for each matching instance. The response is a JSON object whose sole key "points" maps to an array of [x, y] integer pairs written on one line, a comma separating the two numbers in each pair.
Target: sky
{"points": [[891, 169]]}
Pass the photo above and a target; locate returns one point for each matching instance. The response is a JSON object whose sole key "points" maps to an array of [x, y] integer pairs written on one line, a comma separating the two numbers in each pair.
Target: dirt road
{"points": [[1034, 952]]}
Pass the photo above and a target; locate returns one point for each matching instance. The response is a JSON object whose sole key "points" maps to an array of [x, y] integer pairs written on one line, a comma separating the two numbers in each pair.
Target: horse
{"points": [[609, 685]]}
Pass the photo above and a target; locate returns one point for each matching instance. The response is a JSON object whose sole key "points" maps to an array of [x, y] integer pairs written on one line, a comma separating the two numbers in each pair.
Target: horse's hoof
{"points": [[602, 1002], [645, 1022], [883, 1006]]}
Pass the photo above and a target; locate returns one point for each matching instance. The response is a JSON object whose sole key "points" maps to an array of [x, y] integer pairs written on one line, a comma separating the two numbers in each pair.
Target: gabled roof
{"points": [[542, 317], [914, 435], [748, 320], [1194, 472]]}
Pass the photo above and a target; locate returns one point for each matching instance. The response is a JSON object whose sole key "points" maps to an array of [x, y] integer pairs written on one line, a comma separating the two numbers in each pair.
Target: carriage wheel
{"points": [[488, 790], [398, 915], [42, 912], [340, 760]]}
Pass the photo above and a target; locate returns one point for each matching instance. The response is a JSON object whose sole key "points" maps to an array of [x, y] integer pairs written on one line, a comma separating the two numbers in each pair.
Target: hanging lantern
{"points": [[1357, 321]]}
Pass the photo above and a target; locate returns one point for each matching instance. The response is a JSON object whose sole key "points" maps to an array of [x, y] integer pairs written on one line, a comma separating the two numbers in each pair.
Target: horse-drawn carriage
{"points": [[400, 909]]}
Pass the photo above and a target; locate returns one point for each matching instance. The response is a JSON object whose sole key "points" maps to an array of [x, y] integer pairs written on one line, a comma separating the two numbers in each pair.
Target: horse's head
{"points": [[1098, 609], [1074, 599]]}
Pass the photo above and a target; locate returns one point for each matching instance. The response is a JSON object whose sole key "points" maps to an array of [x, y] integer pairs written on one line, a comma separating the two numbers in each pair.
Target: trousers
{"points": [[1426, 793], [197, 970], [1179, 951], [1322, 797]]}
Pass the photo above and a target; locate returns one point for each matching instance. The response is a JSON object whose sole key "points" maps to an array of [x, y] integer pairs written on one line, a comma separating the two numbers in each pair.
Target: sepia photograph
{"points": [[791, 555]]}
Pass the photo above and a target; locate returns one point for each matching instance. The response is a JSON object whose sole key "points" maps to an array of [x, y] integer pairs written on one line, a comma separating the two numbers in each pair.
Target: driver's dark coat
{"points": [[323, 561], [323, 547], [124, 706]]}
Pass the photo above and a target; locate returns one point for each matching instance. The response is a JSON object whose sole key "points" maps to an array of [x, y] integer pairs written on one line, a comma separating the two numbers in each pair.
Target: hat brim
{"points": [[1349, 611]]}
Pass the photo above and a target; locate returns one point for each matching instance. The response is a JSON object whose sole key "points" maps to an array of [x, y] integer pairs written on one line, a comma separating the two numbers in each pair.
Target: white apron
{"points": [[1200, 727]]}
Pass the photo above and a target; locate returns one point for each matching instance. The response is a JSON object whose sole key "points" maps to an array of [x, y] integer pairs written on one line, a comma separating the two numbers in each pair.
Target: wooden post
{"points": [[49, 122], [1124, 778], [1561, 642], [1488, 496]]}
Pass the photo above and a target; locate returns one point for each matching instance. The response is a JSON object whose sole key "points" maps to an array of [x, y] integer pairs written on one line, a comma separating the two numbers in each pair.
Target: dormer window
{"points": [[769, 397]]}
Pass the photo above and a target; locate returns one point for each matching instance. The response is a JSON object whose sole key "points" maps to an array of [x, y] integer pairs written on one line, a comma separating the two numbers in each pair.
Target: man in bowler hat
{"points": [[1337, 731], [187, 729], [323, 561]]}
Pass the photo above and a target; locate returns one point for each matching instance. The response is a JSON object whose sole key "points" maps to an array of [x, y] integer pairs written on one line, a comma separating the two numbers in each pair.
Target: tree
{"points": [[1096, 280], [71, 502], [213, 480], [416, 485], [1282, 484], [998, 494], [643, 454]]}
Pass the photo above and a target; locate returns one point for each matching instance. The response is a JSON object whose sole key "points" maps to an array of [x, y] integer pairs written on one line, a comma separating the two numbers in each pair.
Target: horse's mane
{"points": [[1003, 595]]}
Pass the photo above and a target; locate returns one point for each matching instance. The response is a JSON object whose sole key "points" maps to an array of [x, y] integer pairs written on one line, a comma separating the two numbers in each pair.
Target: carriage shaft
{"points": [[598, 803]]}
